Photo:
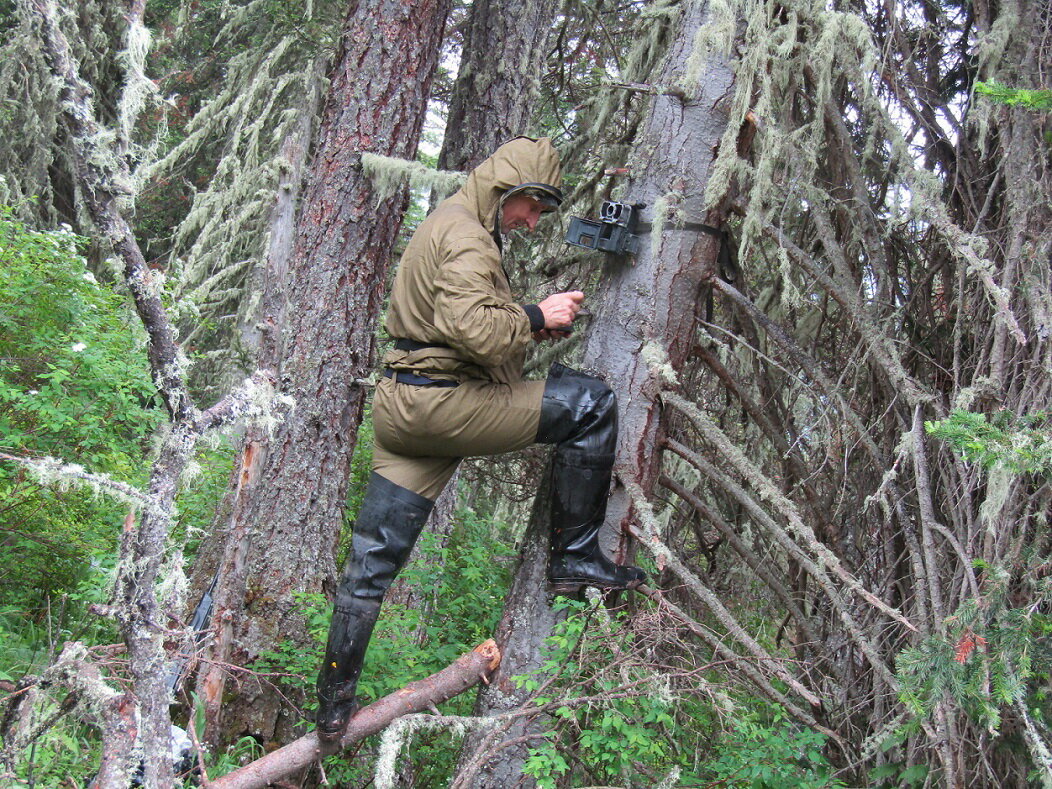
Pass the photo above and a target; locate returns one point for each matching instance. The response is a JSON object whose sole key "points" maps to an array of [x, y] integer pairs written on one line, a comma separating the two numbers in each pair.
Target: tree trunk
{"points": [[527, 620], [498, 81], [291, 490], [260, 325], [654, 301], [651, 300], [260, 332]]}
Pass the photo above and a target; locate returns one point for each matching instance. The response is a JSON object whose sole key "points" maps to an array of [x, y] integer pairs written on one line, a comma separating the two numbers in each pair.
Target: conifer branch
{"points": [[809, 366], [720, 647], [761, 568], [769, 491], [928, 519], [255, 399], [876, 340], [52, 471], [815, 373], [813, 569]]}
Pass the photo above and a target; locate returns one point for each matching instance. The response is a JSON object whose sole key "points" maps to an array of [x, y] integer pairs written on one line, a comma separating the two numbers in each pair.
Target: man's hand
{"points": [[560, 309]]}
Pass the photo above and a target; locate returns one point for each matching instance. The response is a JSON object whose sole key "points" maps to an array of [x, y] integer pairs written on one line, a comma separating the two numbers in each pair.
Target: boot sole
{"points": [[329, 736]]}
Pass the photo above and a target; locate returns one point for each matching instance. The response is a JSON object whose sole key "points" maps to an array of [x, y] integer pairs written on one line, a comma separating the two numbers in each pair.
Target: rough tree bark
{"points": [[287, 512], [498, 81], [261, 329], [653, 300]]}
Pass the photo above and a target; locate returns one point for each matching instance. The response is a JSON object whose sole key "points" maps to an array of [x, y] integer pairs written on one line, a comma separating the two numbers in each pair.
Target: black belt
{"points": [[405, 344], [412, 379]]}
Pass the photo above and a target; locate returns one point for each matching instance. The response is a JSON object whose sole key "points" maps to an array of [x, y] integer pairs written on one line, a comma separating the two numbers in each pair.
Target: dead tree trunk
{"points": [[290, 493], [143, 619], [651, 302]]}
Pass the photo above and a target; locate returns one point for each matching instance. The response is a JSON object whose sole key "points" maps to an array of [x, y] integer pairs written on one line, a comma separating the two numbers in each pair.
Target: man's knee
{"points": [[578, 408]]}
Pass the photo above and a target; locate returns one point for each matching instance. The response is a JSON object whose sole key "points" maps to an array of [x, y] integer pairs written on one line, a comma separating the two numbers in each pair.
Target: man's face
{"points": [[520, 211]]}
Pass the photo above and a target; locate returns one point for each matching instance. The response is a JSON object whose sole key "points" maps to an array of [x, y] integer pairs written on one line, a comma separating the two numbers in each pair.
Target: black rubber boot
{"points": [[579, 416], [344, 653], [388, 524]]}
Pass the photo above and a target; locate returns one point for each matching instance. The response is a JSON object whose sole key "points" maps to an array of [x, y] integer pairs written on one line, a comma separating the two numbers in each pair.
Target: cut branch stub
{"points": [[417, 696]]}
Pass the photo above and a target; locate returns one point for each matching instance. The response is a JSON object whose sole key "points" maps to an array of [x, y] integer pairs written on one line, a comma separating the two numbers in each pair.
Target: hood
{"points": [[523, 160]]}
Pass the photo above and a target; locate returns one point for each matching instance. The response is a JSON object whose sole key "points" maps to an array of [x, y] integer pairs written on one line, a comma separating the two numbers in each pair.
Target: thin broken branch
{"points": [[649, 537]]}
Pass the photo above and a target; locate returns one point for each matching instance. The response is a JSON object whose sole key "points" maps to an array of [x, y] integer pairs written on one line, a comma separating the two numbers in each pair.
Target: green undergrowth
{"points": [[457, 587], [622, 709], [74, 385], [609, 716]]}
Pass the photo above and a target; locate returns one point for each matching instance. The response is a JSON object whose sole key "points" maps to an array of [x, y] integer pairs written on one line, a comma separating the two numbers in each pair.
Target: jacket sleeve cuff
{"points": [[533, 312]]}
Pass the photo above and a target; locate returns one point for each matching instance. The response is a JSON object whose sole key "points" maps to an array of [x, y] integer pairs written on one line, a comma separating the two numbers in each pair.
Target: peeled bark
{"points": [[286, 519]]}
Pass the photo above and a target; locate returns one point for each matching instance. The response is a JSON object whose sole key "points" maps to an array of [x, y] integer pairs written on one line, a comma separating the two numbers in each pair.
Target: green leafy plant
{"points": [[615, 720], [763, 749], [73, 385], [615, 731]]}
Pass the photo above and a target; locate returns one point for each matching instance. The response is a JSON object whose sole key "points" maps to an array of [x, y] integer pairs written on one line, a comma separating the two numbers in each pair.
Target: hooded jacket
{"points": [[450, 288]]}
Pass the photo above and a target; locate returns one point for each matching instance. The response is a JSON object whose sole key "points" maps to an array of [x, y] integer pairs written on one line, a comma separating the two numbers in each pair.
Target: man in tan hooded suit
{"points": [[453, 388]]}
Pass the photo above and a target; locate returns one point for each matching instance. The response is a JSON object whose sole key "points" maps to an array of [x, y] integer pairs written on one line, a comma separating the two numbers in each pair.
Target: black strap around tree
{"points": [[728, 257]]}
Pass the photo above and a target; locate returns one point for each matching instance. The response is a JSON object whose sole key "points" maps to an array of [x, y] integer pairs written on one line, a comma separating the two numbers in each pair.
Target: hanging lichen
{"points": [[388, 174], [268, 97]]}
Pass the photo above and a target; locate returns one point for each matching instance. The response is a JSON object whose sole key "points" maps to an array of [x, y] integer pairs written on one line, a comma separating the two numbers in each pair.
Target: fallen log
{"points": [[467, 671]]}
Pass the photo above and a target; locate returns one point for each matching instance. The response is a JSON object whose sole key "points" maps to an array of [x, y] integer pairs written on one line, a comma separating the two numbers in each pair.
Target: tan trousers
{"points": [[423, 432]]}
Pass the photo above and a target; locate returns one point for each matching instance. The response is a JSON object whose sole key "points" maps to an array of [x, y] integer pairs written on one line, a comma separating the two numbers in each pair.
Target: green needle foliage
{"points": [[1022, 444], [1037, 100], [992, 655]]}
